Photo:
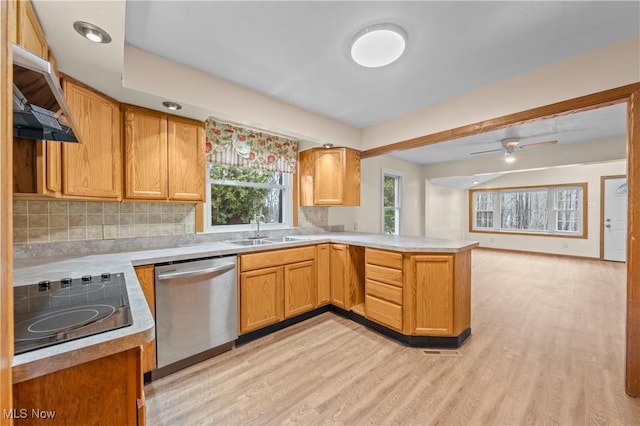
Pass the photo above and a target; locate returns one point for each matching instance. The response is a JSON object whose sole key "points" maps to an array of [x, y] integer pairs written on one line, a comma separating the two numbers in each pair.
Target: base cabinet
{"points": [[275, 285], [384, 288], [323, 264], [439, 294], [340, 276], [260, 298], [300, 293], [108, 390], [146, 276]]}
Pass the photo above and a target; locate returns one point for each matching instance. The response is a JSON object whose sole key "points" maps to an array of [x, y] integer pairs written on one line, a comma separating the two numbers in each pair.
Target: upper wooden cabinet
{"points": [[329, 177], [28, 30], [186, 159], [92, 169], [164, 156]]}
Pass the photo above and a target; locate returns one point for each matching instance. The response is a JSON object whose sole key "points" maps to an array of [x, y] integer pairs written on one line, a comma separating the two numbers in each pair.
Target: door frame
{"points": [[602, 179], [629, 94]]}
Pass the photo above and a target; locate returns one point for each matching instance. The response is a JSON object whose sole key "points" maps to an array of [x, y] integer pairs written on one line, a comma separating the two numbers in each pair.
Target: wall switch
{"points": [[355, 226], [109, 232], [491, 239]]}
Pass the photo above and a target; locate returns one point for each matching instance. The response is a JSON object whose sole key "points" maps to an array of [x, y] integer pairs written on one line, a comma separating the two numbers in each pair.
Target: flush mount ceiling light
{"points": [[327, 145], [91, 32], [171, 105], [378, 45]]}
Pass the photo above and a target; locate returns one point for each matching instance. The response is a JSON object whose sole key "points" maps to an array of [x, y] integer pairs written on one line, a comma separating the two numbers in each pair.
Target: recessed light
{"points": [[92, 32], [475, 182], [327, 145], [378, 45], [172, 105]]}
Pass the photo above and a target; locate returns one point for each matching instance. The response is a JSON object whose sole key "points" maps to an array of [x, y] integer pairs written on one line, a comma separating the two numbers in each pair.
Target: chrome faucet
{"points": [[258, 218]]}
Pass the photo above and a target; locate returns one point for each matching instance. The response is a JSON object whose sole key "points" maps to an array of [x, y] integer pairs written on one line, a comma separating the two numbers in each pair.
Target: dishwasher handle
{"points": [[207, 271]]}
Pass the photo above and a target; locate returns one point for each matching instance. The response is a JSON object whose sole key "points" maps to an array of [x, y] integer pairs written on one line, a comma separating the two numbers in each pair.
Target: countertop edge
{"points": [[58, 357]]}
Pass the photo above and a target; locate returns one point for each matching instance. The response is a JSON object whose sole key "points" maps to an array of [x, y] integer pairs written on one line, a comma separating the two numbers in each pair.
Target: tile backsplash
{"points": [[52, 221]]}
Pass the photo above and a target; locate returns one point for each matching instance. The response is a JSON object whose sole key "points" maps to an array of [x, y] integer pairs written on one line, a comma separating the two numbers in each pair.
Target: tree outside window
{"points": [[391, 190]]}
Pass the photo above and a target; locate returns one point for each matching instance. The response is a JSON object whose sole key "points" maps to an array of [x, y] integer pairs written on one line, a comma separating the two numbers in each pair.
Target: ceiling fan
{"points": [[510, 145]]}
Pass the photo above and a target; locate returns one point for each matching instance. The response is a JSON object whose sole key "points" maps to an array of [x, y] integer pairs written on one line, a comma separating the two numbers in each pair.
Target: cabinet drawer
{"points": [[384, 274], [389, 259], [267, 259], [384, 291], [384, 312]]}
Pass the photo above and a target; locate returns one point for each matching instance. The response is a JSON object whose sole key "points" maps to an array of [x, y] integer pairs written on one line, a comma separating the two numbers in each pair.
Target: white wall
{"points": [[445, 211], [367, 217], [590, 173], [612, 66], [206, 95]]}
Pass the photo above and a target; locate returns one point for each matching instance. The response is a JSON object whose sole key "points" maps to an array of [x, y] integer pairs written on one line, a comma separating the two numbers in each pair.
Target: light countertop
{"points": [[53, 358]]}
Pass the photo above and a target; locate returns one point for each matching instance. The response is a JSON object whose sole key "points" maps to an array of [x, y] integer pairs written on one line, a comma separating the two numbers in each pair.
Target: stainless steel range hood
{"points": [[39, 107]]}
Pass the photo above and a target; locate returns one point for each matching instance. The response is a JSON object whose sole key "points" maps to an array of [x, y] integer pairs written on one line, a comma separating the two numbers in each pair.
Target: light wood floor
{"points": [[547, 348]]}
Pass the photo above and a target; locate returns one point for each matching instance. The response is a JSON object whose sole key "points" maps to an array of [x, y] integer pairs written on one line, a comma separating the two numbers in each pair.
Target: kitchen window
{"points": [[249, 178], [557, 210], [391, 206], [237, 195]]}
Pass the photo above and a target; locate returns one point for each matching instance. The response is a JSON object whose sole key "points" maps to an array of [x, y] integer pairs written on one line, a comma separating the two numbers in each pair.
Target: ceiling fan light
{"points": [[378, 45], [509, 157]]}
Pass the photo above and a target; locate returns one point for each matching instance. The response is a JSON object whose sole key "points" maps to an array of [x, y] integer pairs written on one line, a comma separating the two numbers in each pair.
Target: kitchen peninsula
{"points": [[415, 290]]}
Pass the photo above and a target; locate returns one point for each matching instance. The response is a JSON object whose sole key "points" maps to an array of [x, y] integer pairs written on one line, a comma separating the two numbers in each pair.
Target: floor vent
{"points": [[442, 352]]}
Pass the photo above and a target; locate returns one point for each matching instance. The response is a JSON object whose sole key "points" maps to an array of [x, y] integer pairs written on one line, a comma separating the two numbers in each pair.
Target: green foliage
{"points": [[232, 205], [389, 204]]}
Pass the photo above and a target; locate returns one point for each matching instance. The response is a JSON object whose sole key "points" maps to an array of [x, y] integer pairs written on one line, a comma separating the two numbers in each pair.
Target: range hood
{"points": [[39, 107]]}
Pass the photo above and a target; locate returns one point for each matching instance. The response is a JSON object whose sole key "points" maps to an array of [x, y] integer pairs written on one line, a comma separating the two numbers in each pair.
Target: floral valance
{"points": [[237, 146]]}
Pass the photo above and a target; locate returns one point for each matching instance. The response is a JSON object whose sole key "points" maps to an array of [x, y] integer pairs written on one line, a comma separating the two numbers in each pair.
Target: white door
{"points": [[615, 219]]}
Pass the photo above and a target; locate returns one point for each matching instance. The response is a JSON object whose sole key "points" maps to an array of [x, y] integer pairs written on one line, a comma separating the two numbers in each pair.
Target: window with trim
{"points": [[391, 207], [249, 178], [549, 210]]}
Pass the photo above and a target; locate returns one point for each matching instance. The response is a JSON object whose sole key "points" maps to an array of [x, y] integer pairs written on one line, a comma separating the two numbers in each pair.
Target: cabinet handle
{"points": [[197, 272]]}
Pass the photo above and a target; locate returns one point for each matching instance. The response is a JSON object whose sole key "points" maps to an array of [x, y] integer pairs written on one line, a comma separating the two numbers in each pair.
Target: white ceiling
{"points": [[296, 51]]}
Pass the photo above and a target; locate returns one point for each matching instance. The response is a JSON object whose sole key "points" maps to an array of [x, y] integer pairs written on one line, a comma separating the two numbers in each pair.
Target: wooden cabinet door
{"points": [[261, 300], [340, 276], [323, 281], [433, 295], [92, 169], [145, 154], [53, 167], [300, 293], [186, 159], [30, 35], [146, 277], [328, 184]]}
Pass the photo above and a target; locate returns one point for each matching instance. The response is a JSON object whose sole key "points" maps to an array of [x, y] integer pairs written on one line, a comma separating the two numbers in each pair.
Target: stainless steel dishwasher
{"points": [[196, 311]]}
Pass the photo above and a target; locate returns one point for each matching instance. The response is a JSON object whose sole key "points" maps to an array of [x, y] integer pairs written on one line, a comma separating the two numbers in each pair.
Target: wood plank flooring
{"points": [[547, 348]]}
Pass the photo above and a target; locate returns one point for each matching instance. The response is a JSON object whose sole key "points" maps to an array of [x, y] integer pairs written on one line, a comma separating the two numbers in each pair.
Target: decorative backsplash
{"points": [[313, 217], [53, 221]]}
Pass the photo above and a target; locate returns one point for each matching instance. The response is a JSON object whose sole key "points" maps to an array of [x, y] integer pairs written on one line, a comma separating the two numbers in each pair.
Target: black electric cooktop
{"points": [[52, 312]]}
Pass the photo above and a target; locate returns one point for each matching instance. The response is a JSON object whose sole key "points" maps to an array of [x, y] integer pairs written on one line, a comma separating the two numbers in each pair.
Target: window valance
{"points": [[237, 146]]}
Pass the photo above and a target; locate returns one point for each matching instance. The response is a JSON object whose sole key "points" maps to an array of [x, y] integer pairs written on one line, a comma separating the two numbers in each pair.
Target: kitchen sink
{"points": [[247, 242], [285, 239], [250, 242]]}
